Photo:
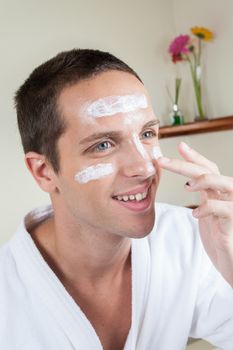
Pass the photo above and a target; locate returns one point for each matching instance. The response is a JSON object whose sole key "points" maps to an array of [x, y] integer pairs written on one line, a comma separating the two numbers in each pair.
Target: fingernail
{"points": [[190, 183], [196, 212]]}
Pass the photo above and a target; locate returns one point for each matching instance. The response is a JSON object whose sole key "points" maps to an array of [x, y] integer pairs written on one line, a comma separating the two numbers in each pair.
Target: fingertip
{"points": [[163, 160], [184, 146]]}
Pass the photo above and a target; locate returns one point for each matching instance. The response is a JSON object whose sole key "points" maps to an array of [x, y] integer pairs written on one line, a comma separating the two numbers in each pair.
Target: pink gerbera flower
{"points": [[179, 46]]}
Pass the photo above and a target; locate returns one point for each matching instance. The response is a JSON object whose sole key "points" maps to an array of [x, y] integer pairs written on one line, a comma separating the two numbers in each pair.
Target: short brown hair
{"points": [[39, 121]]}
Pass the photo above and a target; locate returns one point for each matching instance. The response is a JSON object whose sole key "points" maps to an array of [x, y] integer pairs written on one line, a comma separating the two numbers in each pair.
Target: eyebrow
{"points": [[113, 134], [152, 122]]}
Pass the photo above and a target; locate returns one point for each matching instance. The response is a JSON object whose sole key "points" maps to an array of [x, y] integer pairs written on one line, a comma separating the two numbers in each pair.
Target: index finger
{"points": [[193, 156], [182, 167]]}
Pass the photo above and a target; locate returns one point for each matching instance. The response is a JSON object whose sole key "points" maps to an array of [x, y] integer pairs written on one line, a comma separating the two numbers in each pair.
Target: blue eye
{"points": [[148, 134], [103, 146]]}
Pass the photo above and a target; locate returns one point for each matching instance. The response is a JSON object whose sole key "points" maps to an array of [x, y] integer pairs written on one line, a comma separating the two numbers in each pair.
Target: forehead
{"points": [[118, 90], [105, 84]]}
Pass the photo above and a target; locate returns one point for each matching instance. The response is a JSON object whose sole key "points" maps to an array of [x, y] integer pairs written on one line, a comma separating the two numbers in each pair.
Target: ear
{"points": [[41, 170]]}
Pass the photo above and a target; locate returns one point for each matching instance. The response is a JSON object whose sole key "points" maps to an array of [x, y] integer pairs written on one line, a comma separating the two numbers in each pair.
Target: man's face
{"points": [[108, 177]]}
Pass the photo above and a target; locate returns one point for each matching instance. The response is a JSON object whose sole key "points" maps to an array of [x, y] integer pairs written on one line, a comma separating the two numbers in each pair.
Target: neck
{"points": [[80, 257]]}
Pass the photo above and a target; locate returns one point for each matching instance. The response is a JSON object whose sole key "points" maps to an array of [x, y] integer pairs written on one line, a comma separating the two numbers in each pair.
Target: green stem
{"points": [[199, 52], [197, 89], [177, 89]]}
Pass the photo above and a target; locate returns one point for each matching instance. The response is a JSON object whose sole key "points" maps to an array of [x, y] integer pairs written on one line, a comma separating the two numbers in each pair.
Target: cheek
{"points": [[89, 192], [79, 183], [94, 172], [95, 181], [94, 192]]}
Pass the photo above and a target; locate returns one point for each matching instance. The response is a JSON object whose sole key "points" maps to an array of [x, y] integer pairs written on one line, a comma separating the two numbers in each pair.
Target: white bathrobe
{"points": [[176, 293]]}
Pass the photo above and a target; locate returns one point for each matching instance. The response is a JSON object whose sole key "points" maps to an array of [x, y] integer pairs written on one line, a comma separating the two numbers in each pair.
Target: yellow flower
{"points": [[202, 33]]}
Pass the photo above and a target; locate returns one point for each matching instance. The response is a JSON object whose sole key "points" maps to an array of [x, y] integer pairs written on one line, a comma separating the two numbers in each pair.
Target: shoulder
{"points": [[12, 292], [9, 276], [12, 255], [6, 260]]}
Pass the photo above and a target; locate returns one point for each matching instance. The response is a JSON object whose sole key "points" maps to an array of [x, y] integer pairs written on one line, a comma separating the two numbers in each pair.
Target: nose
{"points": [[137, 161]]}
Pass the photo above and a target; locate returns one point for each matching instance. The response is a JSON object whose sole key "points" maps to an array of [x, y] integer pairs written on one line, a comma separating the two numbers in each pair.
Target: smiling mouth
{"points": [[138, 202], [137, 197]]}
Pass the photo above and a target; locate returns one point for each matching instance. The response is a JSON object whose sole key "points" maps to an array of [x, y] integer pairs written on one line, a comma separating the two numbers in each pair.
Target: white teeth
{"points": [[138, 197], [144, 195]]}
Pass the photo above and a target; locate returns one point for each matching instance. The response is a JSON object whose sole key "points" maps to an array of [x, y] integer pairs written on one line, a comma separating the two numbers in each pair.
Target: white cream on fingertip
{"points": [[110, 105], [94, 172], [156, 152]]}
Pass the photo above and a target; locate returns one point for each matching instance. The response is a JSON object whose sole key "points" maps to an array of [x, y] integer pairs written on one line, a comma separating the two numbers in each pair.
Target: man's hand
{"points": [[215, 212]]}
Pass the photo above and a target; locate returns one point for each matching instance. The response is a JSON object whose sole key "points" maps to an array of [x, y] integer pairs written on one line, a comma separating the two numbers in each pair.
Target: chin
{"points": [[142, 229]]}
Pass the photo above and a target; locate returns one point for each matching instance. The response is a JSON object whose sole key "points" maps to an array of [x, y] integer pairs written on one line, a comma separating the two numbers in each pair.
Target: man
{"points": [[95, 270]]}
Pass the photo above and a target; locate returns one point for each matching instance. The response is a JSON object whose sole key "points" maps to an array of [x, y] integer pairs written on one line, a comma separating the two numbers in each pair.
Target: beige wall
{"points": [[136, 31]]}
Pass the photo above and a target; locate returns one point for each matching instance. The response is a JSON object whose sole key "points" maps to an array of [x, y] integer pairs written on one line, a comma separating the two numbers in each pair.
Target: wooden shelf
{"points": [[209, 125]]}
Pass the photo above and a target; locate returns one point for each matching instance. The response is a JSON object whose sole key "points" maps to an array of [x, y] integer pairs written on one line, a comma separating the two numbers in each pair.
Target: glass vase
{"points": [[176, 116], [196, 76]]}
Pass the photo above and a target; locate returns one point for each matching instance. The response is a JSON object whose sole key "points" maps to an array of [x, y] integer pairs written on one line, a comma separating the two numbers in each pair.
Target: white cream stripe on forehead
{"points": [[111, 105], [94, 172]]}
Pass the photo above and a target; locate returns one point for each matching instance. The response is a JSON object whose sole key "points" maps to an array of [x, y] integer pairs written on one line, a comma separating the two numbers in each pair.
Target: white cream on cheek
{"points": [[94, 172], [111, 105]]}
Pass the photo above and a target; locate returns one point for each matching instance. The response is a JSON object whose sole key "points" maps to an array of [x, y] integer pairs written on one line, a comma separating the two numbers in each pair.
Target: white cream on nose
{"points": [[139, 146], [143, 152], [156, 152]]}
